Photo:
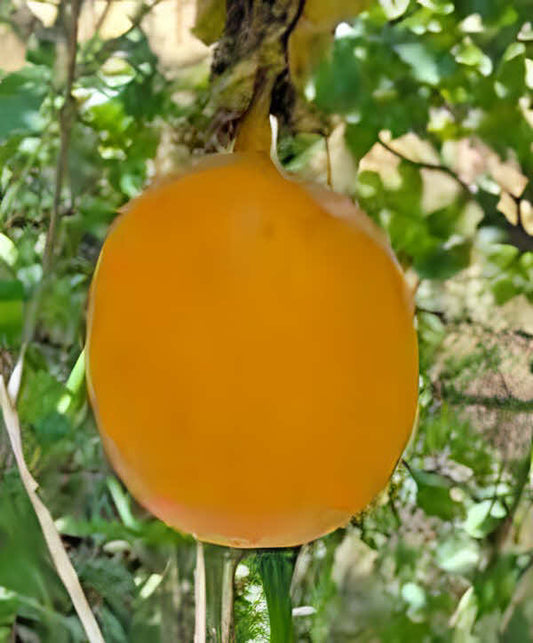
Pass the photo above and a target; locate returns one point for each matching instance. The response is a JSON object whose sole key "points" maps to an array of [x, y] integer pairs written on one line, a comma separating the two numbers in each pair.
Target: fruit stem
{"points": [[254, 133]]}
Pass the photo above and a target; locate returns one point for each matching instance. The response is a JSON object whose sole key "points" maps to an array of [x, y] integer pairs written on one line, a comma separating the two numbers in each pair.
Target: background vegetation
{"points": [[423, 112]]}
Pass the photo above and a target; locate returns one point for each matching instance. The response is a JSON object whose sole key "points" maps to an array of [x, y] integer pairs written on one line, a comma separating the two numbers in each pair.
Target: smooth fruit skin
{"points": [[252, 357]]}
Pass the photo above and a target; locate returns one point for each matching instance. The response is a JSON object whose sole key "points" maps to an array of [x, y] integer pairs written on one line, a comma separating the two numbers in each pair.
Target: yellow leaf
{"points": [[313, 35], [326, 14], [306, 47], [210, 20]]}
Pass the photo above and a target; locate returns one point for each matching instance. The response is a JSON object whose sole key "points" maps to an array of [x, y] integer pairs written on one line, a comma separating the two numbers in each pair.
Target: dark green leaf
{"points": [[21, 95]]}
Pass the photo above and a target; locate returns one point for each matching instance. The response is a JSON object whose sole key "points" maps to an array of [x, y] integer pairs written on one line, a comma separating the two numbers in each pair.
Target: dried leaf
{"points": [[55, 546]]}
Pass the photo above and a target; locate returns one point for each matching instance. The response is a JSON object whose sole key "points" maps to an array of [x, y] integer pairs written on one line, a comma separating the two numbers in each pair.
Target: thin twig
{"points": [[66, 119], [140, 15], [428, 166], [144, 10], [102, 18], [199, 596], [66, 115], [109, 47]]}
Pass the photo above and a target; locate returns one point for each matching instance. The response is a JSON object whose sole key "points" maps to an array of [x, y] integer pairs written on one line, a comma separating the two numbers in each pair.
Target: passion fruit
{"points": [[252, 357]]}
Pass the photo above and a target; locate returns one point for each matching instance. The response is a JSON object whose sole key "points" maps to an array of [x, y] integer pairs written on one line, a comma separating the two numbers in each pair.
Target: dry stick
{"points": [[102, 17], [142, 12], [199, 595], [53, 539]]}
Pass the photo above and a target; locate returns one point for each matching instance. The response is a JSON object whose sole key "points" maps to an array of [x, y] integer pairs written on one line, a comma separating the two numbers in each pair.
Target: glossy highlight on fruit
{"points": [[252, 357]]}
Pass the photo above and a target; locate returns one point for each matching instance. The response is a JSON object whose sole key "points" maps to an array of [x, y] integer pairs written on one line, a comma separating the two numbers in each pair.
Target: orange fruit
{"points": [[252, 357]]}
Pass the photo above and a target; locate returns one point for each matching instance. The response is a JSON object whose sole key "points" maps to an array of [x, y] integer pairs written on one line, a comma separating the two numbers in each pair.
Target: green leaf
{"points": [[502, 255], [494, 587], [144, 98], [443, 260], [8, 250], [131, 183], [11, 311], [360, 137], [483, 517], [421, 60], [511, 76], [504, 289], [458, 555], [51, 427], [276, 569], [110, 117], [433, 495], [75, 386], [338, 82], [440, 7], [21, 95], [96, 215], [39, 396], [8, 607], [519, 628], [112, 628], [62, 306], [11, 290], [467, 53], [122, 502], [370, 189], [24, 566], [111, 580], [415, 596]]}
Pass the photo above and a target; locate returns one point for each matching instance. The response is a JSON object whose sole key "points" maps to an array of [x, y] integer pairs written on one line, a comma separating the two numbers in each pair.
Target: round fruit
{"points": [[252, 357]]}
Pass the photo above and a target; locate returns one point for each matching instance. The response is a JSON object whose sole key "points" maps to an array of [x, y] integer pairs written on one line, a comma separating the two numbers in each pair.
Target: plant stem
{"points": [[276, 568], [199, 596], [231, 561], [66, 117], [66, 120]]}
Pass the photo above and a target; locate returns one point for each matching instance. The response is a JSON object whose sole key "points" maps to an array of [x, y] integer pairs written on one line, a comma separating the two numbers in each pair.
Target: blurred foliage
{"points": [[446, 553]]}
